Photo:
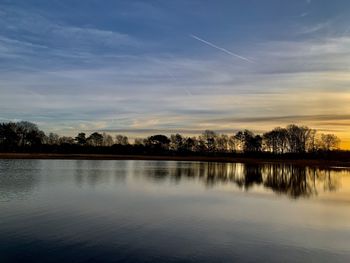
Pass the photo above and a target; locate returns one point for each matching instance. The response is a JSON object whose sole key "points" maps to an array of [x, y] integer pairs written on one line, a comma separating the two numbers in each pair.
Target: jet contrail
{"points": [[221, 49]]}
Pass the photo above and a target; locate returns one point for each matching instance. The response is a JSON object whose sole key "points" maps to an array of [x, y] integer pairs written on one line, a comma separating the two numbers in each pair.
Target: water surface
{"points": [[159, 211]]}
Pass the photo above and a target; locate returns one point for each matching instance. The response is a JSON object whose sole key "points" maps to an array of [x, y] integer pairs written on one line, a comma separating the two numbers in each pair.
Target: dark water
{"points": [[149, 211]]}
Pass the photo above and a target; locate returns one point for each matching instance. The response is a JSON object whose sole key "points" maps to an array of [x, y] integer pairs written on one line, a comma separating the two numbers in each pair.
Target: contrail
{"points": [[221, 49]]}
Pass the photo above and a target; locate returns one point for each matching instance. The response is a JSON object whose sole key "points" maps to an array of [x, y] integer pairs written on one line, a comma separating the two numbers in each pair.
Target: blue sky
{"points": [[142, 67]]}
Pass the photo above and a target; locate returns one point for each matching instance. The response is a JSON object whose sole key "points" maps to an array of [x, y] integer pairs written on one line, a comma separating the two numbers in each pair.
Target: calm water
{"points": [[156, 211]]}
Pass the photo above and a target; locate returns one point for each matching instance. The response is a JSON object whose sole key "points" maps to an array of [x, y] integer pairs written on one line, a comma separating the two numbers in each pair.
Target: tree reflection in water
{"points": [[290, 180]]}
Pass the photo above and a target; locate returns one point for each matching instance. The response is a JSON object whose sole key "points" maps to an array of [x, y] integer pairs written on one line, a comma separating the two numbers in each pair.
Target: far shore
{"points": [[248, 160]]}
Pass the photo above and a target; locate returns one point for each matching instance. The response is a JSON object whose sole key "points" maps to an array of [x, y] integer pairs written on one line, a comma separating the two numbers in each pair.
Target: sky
{"points": [[161, 66]]}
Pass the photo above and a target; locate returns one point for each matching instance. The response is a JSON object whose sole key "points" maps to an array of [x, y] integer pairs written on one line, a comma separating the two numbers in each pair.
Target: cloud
{"points": [[164, 131], [86, 35], [137, 87], [291, 118], [314, 28], [34, 37]]}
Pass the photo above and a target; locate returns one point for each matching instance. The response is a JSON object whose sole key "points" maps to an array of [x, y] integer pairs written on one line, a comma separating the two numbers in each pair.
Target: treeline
{"points": [[27, 137]]}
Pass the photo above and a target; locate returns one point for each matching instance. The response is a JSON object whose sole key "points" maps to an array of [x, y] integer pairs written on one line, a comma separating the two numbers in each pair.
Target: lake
{"points": [[167, 211]]}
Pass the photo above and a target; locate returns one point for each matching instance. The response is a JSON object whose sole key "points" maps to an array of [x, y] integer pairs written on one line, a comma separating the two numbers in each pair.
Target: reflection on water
{"points": [[293, 181], [158, 211], [286, 179], [95, 173]]}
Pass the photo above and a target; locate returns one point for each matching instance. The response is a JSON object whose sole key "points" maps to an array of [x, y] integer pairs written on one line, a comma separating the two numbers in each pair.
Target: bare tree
{"points": [[122, 140], [66, 140], [53, 139], [222, 143], [137, 141], [329, 142], [311, 144], [29, 133], [232, 144], [190, 144], [107, 140], [276, 141], [176, 142], [298, 137], [208, 139]]}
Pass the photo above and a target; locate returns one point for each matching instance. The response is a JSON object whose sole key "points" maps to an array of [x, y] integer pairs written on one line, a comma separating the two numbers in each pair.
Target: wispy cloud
{"points": [[292, 118], [310, 29], [88, 35], [222, 49]]}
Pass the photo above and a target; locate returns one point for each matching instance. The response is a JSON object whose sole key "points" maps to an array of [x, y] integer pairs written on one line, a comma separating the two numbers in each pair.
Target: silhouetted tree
{"points": [[95, 139], [176, 142], [158, 142], [222, 143], [189, 144], [329, 142], [107, 140], [66, 140], [53, 139], [311, 144], [248, 141], [28, 133], [276, 141], [26, 136], [239, 141], [9, 139], [208, 138], [123, 140], [298, 137], [81, 138], [232, 143], [35, 137], [137, 141]]}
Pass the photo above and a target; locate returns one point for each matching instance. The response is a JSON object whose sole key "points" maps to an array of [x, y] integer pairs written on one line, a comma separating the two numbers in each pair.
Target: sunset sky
{"points": [[145, 67]]}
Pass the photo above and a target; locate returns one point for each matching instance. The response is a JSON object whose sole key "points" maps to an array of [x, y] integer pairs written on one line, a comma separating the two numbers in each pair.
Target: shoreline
{"points": [[247, 160]]}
